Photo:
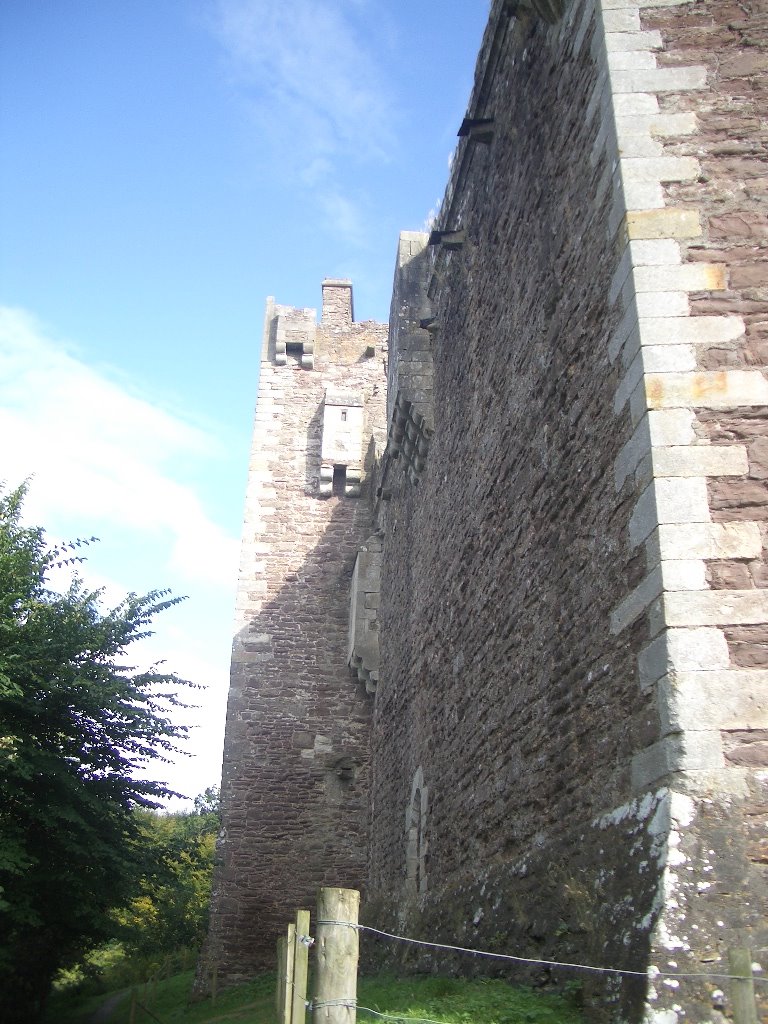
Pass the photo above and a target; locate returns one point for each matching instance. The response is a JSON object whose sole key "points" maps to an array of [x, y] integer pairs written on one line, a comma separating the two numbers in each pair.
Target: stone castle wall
{"points": [[295, 776], [558, 604], [505, 696], [572, 606]]}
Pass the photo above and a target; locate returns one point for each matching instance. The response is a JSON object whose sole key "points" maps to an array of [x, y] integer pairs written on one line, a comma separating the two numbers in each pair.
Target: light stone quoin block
{"points": [[731, 699], [647, 252], [629, 41], [689, 277], [659, 80], [633, 104], [664, 223], [723, 389], [669, 358], [704, 540], [657, 125], [693, 330], [642, 194], [659, 427], [631, 60], [671, 426], [678, 650], [668, 500], [688, 752], [624, 21], [664, 168], [700, 460], [686, 574], [671, 303], [635, 143], [714, 607]]}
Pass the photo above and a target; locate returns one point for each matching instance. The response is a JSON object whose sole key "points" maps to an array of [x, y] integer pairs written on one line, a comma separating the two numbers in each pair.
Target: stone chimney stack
{"points": [[338, 311]]}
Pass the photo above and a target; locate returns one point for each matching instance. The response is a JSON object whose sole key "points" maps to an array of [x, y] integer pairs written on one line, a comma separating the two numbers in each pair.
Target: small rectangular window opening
{"points": [[339, 480], [343, 415], [293, 350]]}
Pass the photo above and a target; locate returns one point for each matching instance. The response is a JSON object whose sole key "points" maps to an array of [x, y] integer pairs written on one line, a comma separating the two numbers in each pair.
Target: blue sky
{"points": [[167, 164]]}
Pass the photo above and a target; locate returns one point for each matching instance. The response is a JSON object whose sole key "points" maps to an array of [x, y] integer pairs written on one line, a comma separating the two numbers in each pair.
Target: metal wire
{"points": [[651, 972]]}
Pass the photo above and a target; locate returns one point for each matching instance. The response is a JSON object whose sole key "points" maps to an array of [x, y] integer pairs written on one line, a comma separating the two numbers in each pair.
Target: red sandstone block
{"points": [[726, 304], [749, 275], [755, 352], [758, 458], [742, 499], [728, 575], [738, 167], [746, 748], [748, 62], [739, 225]]}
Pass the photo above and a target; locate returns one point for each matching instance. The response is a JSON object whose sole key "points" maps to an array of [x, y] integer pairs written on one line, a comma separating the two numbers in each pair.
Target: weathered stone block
{"points": [[724, 389], [713, 700], [690, 277], [693, 330], [678, 650], [668, 500], [663, 223], [688, 752], [700, 460], [664, 168], [714, 608], [704, 540], [659, 80]]}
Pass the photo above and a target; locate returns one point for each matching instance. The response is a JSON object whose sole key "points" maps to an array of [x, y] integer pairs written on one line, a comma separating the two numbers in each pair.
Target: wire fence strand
{"points": [[650, 972], [350, 1004], [401, 1017]]}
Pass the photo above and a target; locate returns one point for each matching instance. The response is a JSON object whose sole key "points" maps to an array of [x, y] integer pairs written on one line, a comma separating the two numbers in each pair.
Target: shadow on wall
{"points": [[296, 758]]}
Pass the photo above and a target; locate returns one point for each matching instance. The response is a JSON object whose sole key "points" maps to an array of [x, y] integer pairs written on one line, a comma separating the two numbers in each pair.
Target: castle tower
{"points": [[295, 777]]}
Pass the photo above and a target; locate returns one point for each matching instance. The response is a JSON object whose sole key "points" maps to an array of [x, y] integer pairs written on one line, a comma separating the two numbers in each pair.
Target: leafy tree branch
{"points": [[76, 724]]}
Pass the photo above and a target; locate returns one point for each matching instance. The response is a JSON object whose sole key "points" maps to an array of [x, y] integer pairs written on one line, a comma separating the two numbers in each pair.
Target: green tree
{"points": [[76, 723], [169, 910], [208, 803]]}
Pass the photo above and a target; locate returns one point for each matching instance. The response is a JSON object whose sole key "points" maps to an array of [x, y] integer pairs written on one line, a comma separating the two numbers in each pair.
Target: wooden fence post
{"points": [[300, 967], [285, 1006], [743, 989], [337, 954], [280, 987]]}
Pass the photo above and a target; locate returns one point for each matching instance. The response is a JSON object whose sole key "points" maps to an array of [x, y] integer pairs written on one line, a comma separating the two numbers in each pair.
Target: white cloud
{"points": [[107, 461], [343, 216], [315, 92], [307, 61], [100, 454]]}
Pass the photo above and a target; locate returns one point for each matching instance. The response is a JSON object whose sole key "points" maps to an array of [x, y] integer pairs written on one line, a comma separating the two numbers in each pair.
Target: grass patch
{"points": [[448, 1000], [461, 1001]]}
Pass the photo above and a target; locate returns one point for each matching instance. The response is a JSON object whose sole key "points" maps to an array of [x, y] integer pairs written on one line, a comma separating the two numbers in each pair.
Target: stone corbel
{"points": [[449, 240], [409, 438], [477, 129], [295, 333]]}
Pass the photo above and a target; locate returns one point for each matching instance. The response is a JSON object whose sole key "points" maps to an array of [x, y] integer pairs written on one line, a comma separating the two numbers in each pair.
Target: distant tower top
{"points": [[338, 310]]}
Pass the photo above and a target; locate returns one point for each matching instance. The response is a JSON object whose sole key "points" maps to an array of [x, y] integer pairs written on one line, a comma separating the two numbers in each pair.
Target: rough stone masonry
{"points": [[502, 649]]}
